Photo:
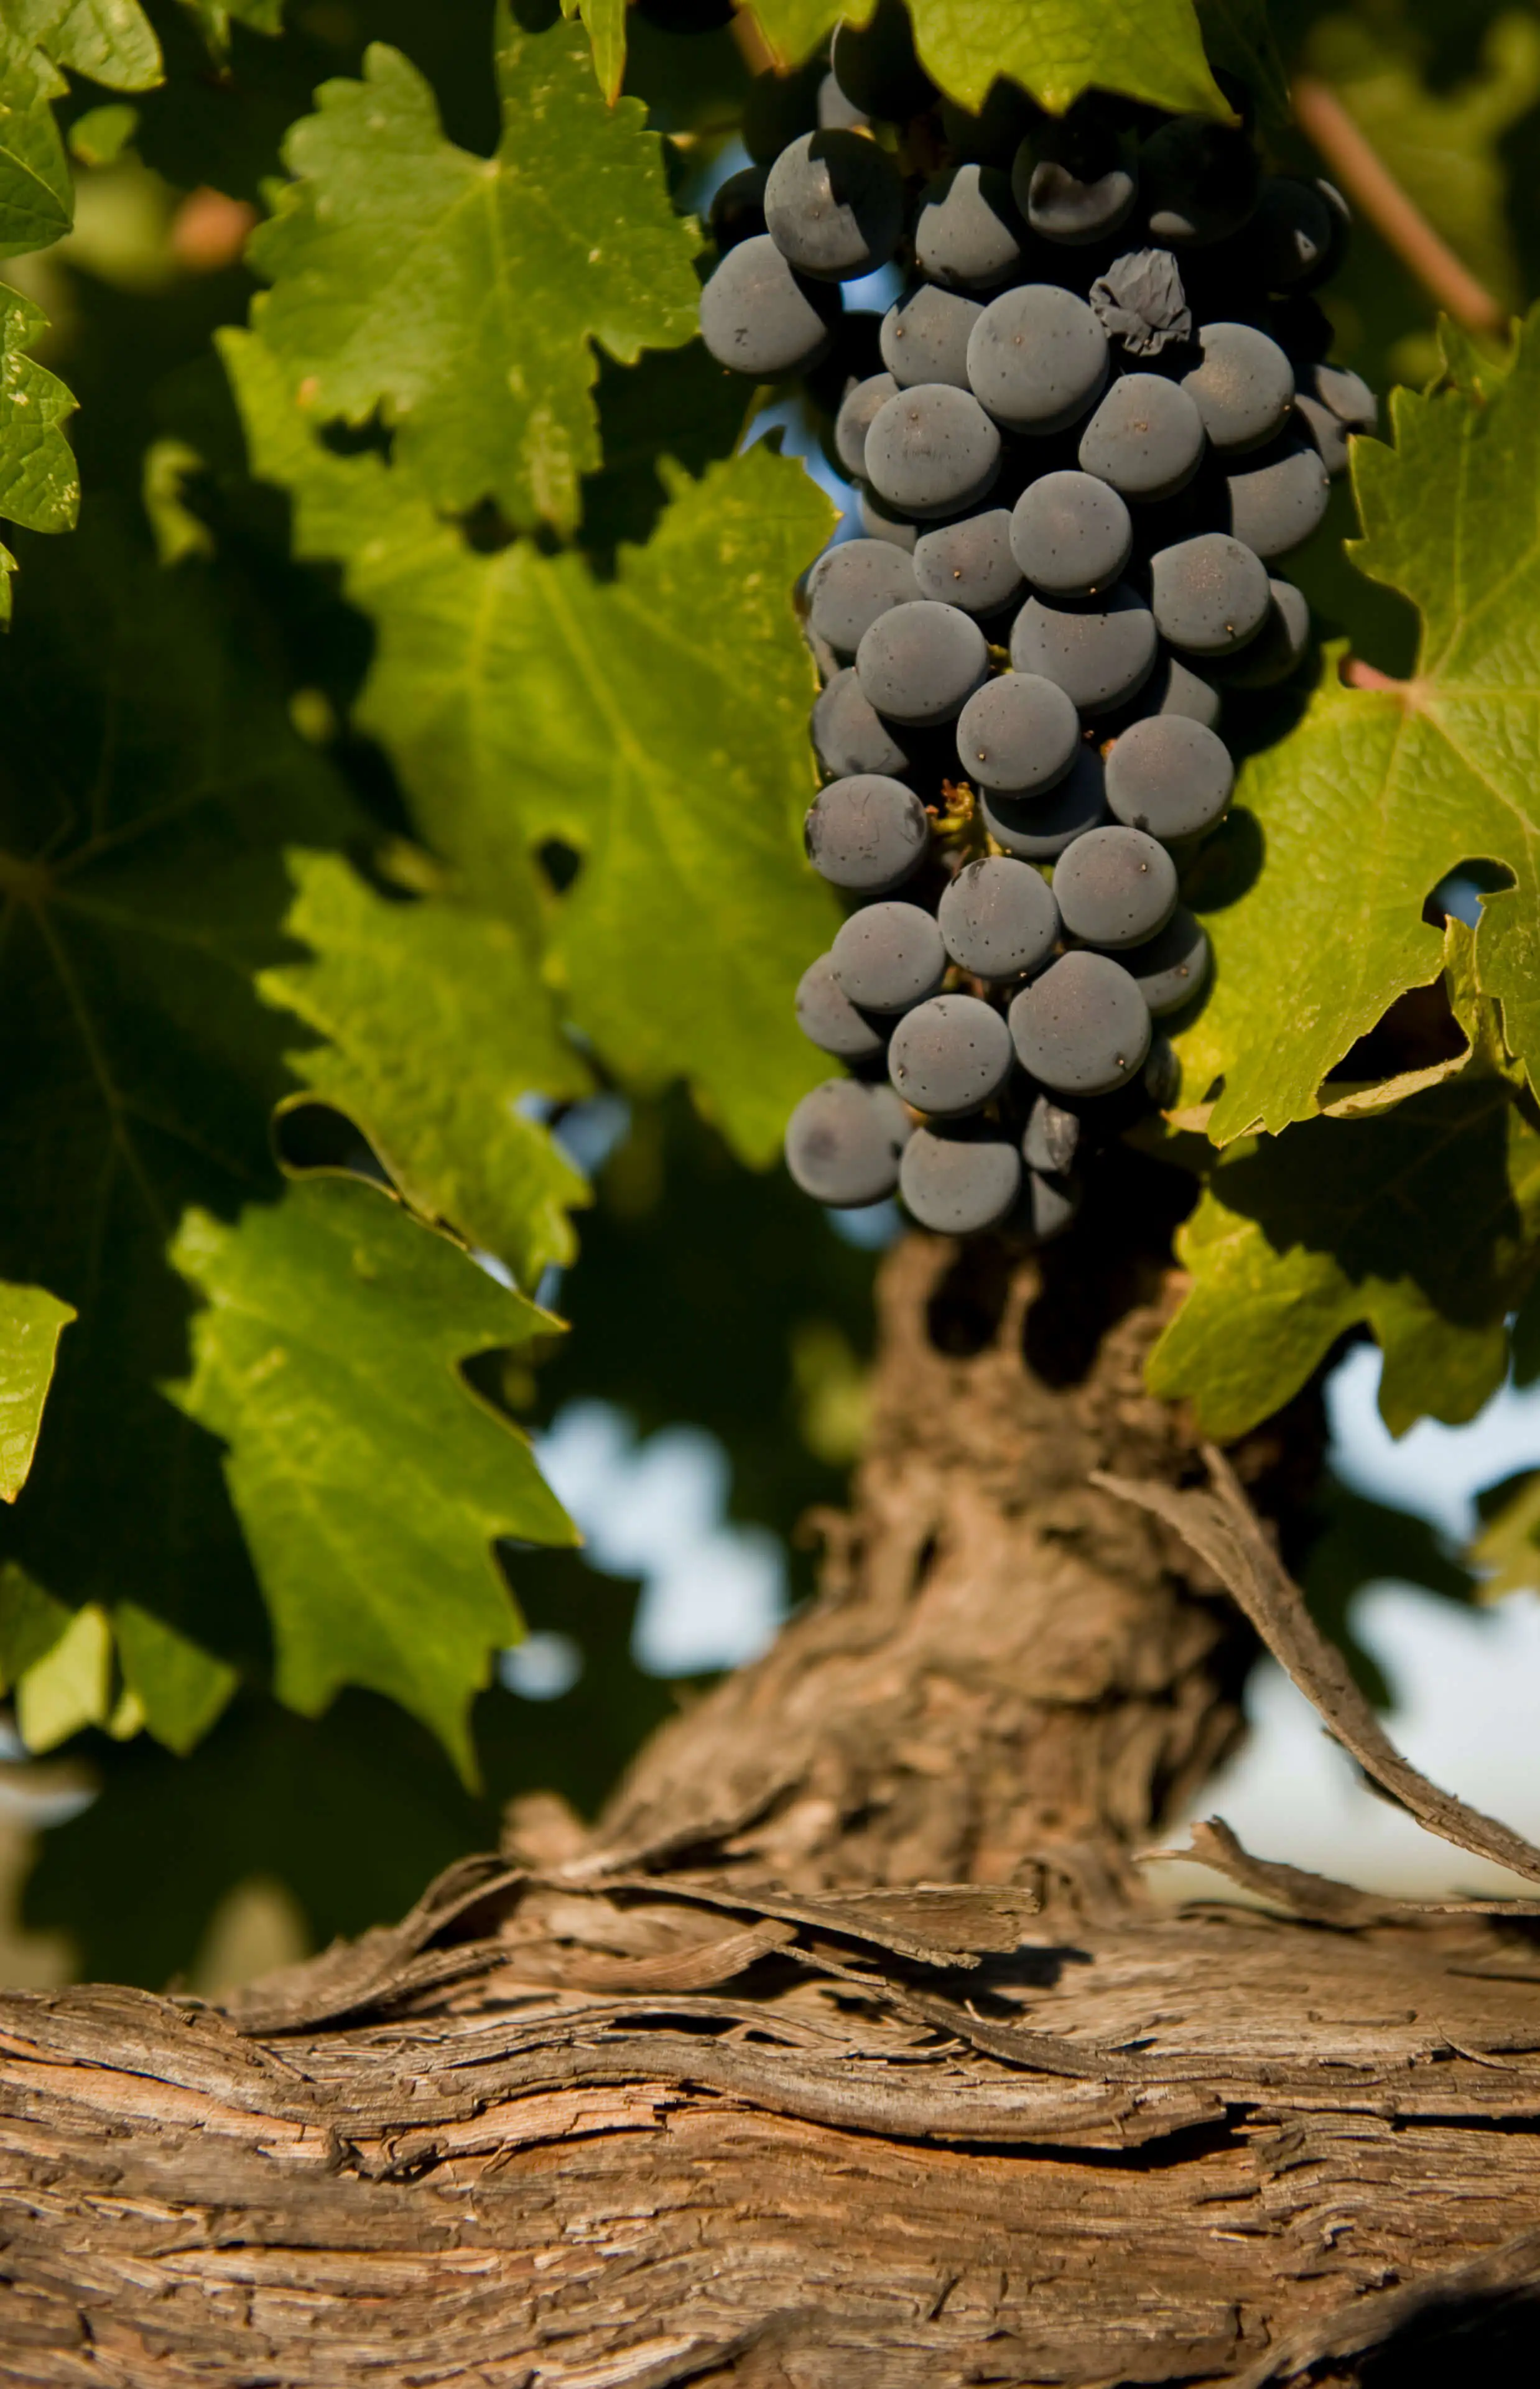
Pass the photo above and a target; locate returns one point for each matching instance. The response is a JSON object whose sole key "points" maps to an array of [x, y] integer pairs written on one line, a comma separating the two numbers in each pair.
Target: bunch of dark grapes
{"points": [[1097, 418]]}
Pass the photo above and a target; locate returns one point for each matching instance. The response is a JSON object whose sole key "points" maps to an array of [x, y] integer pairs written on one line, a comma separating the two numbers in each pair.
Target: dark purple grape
{"points": [[959, 1181], [998, 919], [1037, 359], [1073, 178], [867, 833], [1243, 389], [1099, 655], [922, 663], [853, 422], [950, 1056], [1115, 888], [993, 136], [1018, 734], [1071, 534], [834, 205], [1047, 1206], [738, 209], [968, 235], [876, 524], [924, 338], [1296, 233], [853, 584], [1082, 1028], [888, 956], [1276, 502], [1171, 969], [1199, 180], [875, 66], [1208, 595], [932, 450], [969, 563], [848, 737], [1172, 687], [760, 318], [844, 1142], [828, 1018], [1169, 775], [1041, 829], [1051, 1137], [1146, 438]]}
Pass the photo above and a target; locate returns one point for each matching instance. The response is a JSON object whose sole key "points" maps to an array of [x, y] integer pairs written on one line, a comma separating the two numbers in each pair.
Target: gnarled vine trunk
{"points": [[846, 2050]]}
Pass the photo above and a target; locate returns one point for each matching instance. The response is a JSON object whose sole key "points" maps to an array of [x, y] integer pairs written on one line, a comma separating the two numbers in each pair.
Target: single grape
{"points": [[780, 107], [1072, 180], [1018, 734], [866, 833], [760, 318], [834, 205], [1199, 179], [853, 422], [998, 919], [1277, 501], [1244, 387], [1297, 232], [1037, 359], [970, 562], [1082, 1028], [968, 235], [1173, 967], [1208, 595], [852, 585], [828, 1018], [893, 528], [1163, 1072], [1169, 775], [959, 1181], [738, 209], [924, 338], [1041, 829], [850, 737], [1279, 647], [1327, 432], [1172, 688], [1115, 888], [822, 654], [950, 1056], [836, 111], [1146, 438], [888, 956], [922, 663], [932, 450], [1051, 1138], [1099, 655], [875, 66], [844, 1142], [1140, 302], [1332, 403], [1047, 1206], [1071, 534]]}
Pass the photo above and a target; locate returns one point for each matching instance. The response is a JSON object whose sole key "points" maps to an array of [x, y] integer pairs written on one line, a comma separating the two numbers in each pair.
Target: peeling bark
{"points": [[847, 2049]]}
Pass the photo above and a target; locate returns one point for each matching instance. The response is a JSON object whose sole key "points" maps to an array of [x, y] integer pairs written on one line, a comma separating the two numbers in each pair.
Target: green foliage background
{"points": [[409, 744]]}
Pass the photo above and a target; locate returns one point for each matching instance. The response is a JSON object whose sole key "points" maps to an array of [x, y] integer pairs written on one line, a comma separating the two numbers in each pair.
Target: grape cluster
{"points": [[1096, 420]]}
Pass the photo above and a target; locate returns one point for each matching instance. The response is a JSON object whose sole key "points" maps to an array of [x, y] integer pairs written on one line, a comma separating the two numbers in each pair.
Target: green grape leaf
{"points": [[1507, 1552], [371, 1481], [1420, 1224], [110, 41], [179, 1688], [151, 783], [1313, 892], [437, 1023], [654, 720], [460, 297], [215, 18], [1055, 49], [36, 196], [32, 1322], [605, 22], [39, 484]]}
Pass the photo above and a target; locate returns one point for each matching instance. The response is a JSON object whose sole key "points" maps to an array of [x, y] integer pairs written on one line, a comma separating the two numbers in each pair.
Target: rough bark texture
{"points": [[724, 2094]]}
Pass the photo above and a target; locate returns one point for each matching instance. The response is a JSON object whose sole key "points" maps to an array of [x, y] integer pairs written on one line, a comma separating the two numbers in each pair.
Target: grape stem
{"points": [[1366, 178]]}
